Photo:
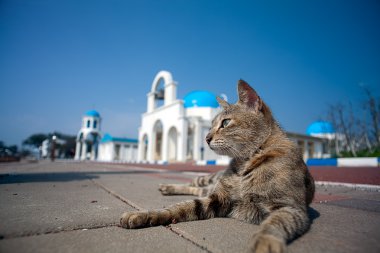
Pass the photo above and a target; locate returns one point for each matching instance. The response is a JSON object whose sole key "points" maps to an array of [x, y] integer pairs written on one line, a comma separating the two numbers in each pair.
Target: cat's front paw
{"points": [[267, 244], [134, 219], [166, 189]]}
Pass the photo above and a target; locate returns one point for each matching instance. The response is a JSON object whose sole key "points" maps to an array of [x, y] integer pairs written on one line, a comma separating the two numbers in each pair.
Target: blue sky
{"points": [[59, 59]]}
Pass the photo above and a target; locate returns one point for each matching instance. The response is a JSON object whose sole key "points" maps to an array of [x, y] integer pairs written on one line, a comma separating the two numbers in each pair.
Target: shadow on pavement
{"points": [[20, 178], [313, 214]]}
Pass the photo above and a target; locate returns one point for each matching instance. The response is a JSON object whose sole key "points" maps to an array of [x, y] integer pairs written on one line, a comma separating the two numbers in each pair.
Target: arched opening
{"points": [[163, 91], [172, 144], [157, 131], [190, 144], [159, 93], [92, 141], [144, 147]]}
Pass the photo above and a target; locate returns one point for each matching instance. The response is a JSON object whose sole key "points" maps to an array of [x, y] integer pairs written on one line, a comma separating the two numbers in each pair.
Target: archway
{"points": [[159, 93], [162, 75], [172, 144], [157, 137], [163, 91]]}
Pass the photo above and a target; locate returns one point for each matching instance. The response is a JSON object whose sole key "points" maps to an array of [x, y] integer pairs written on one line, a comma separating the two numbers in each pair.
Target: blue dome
{"points": [[92, 113], [320, 127], [200, 98]]}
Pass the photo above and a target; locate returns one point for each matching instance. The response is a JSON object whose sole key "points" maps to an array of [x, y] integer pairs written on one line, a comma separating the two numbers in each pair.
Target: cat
{"points": [[266, 182]]}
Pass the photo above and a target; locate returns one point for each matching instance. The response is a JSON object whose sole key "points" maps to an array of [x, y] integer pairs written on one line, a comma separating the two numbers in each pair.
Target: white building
{"points": [[174, 130], [92, 146], [310, 146], [88, 137], [117, 149], [332, 141]]}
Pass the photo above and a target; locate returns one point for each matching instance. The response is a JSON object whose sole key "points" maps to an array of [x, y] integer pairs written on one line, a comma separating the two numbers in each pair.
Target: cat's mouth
{"points": [[219, 147]]}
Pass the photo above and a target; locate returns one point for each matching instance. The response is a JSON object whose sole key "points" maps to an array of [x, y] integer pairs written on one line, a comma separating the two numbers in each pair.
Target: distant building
{"points": [[174, 130], [92, 145], [310, 146], [333, 141], [46, 148], [88, 137], [117, 149]]}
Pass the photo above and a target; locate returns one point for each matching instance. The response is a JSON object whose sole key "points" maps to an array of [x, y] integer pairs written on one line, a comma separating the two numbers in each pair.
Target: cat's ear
{"points": [[248, 96], [223, 103]]}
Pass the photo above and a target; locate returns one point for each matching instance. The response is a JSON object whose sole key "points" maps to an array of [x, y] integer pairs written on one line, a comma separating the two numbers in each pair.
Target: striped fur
{"points": [[267, 182], [201, 186]]}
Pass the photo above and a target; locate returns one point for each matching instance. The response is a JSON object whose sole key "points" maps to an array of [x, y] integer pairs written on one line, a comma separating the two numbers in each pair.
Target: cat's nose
{"points": [[208, 138]]}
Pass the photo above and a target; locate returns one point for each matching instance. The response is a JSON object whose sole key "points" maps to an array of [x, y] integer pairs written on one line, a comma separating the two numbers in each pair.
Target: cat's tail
{"points": [[280, 227]]}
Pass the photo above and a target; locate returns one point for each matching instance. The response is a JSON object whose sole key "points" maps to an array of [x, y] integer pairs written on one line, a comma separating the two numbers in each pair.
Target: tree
{"points": [[65, 144], [358, 127], [344, 123], [373, 107], [35, 140]]}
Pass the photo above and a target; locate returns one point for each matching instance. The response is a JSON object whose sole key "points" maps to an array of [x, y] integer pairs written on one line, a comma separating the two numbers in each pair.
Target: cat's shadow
{"points": [[313, 214]]}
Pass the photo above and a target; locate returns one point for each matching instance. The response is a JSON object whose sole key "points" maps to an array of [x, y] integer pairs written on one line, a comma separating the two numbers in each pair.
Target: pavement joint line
{"points": [[57, 231], [133, 205], [367, 187], [184, 235], [126, 201]]}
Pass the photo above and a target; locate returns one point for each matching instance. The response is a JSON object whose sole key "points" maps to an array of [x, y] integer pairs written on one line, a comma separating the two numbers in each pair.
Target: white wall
{"points": [[127, 151]]}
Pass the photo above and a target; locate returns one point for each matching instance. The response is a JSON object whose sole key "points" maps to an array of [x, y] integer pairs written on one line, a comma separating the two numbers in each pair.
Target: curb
{"points": [[367, 187]]}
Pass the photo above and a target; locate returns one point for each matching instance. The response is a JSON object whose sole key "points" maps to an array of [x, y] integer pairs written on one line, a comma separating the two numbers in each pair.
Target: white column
{"points": [[92, 156], [170, 93], [77, 151], [150, 150], [182, 139], [84, 151], [165, 146], [197, 140], [151, 105]]}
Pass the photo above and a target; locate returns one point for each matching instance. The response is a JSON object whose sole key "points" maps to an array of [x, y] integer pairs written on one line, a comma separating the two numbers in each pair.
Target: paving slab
{"points": [[340, 229], [334, 229], [47, 206], [110, 239], [348, 192], [141, 188], [39, 203]]}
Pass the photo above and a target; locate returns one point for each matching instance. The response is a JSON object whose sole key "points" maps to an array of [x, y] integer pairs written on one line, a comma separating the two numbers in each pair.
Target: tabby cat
{"points": [[267, 181]]}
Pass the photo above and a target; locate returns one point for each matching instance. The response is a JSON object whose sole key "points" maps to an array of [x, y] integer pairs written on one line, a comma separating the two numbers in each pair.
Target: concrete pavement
{"points": [[75, 207]]}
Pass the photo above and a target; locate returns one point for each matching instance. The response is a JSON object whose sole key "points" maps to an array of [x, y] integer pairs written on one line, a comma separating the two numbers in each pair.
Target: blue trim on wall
{"points": [[107, 137], [322, 162], [211, 162]]}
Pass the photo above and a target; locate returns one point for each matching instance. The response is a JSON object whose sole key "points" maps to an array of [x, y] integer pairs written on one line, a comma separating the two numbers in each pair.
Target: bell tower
{"points": [[168, 94], [88, 137]]}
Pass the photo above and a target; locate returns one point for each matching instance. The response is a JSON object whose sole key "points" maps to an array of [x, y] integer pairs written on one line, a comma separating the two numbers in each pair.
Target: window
{"points": [[88, 123], [95, 123]]}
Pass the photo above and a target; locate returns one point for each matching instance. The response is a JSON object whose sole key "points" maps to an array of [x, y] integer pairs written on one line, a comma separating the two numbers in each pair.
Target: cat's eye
{"points": [[225, 122]]}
